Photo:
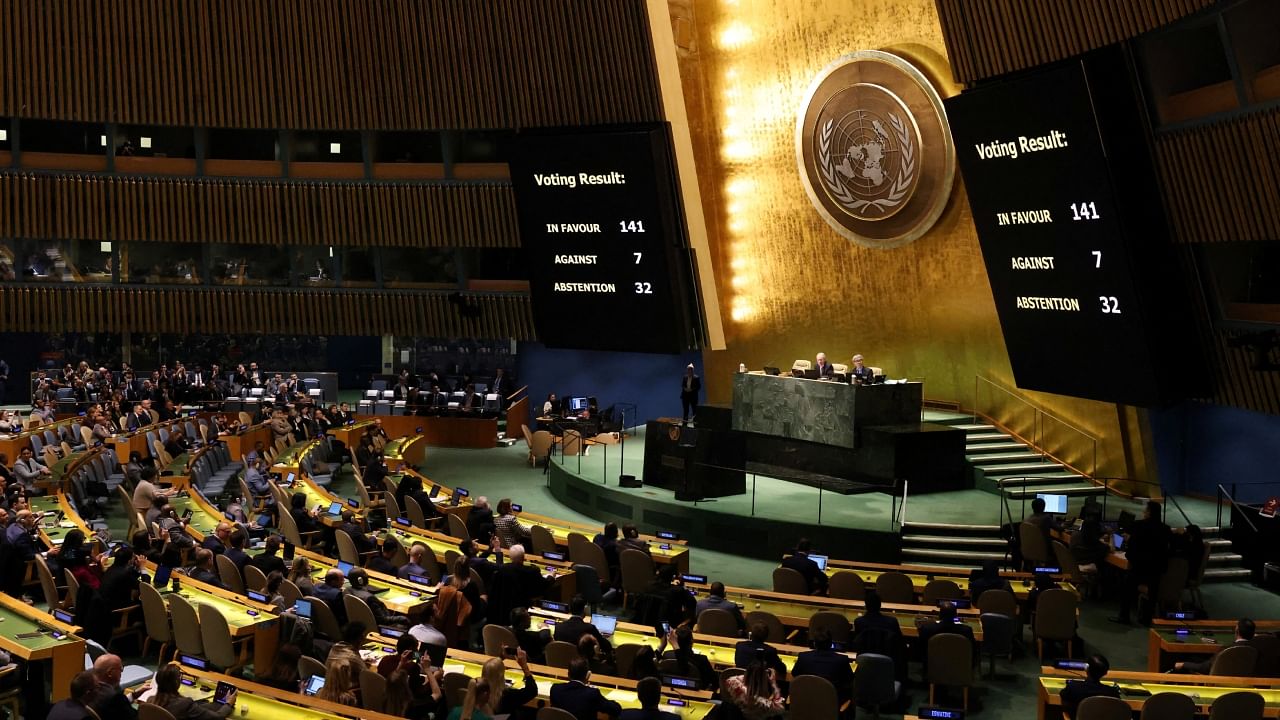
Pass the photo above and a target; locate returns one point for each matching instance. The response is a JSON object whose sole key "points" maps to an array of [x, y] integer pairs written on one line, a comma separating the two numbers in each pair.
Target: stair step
{"points": [[1024, 455], [943, 539], [993, 469], [990, 447], [1016, 481], [1217, 543], [1072, 490], [975, 436], [948, 527], [972, 557], [1227, 574], [1225, 558], [974, 427]]}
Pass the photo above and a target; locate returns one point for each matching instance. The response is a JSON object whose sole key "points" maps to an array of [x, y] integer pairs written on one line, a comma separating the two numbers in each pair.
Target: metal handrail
{"points": [[1039, 415], [902, 509], [1222, 492]]}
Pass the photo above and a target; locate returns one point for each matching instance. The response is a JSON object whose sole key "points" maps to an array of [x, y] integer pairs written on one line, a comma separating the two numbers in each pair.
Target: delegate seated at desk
{"points": [[822, 368], [860, 374]]}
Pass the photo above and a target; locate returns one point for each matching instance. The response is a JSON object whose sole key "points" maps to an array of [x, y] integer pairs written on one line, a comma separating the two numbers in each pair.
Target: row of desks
{"points": [[1136, 687], [922, 575]]}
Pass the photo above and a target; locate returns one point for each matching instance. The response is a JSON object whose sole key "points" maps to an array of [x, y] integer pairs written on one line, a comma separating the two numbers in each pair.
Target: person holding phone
{"points": [[169, 681], [505, 700]]}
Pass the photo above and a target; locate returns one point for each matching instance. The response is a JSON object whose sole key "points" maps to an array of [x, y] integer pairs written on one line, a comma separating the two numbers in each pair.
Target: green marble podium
{"points": [[820, 411]]}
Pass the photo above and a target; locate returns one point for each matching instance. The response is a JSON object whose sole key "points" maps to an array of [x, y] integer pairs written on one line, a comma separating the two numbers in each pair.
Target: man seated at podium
{"points": [[823, 369], [860, 374]]}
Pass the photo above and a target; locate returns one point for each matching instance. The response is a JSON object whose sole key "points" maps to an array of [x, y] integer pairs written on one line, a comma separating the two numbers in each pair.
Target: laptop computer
{"points": [[821, 560], [606, 624], [345, 567], [771, 370], [1117, 541]]}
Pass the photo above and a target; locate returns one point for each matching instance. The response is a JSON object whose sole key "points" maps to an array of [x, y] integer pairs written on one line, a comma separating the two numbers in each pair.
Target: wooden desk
{"points": [[456, 430], [65, 653], [620, 690], [795, 610], [13, 443], [242, 443], [136, 440], [719, 650], [1204, 689], [1206, 637], [262, 702], [404, 451], [922, 575], [350, 434]]}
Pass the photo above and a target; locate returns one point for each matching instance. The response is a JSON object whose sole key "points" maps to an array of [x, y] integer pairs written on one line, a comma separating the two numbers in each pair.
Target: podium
{"points": [[696, 463]]}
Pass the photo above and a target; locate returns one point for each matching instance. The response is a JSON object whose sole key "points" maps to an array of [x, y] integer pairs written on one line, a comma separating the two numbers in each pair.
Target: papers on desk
{"points": [[455, 668], [619, 695]]}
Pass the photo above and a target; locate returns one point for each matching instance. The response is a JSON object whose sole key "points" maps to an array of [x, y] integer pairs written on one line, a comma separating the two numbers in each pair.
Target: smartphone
{"points": [[186, 514], [509, 651]]}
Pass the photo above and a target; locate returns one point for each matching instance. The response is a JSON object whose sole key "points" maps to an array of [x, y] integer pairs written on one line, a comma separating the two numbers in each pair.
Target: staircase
{"points": [[1003, 464], [1224, 562], [951, 545]]}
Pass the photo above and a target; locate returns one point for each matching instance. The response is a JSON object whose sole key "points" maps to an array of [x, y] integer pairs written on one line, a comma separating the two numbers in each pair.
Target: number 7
{"points": [[638, 255], [1097, 258]]}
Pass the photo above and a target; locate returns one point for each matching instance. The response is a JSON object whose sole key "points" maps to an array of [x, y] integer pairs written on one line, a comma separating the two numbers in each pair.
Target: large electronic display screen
{"points": [[1071, 254], [605, 238]]}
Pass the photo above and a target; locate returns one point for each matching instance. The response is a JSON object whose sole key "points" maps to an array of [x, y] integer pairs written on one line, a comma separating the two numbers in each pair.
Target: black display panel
{"points": [[604, 235], [1058, 173]]}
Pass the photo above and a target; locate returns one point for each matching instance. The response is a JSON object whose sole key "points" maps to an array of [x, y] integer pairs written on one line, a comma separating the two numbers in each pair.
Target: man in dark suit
{"points": [[515, 584], [946, 623], [141, 415], [480, 520], [825, 662], [330, 591], [268, 561], [109, 700], [578, 698], [1245, 629], [823, 368], [235, 553], [755, 649], [875, 632], [204, 570], [800, 562], [363, 542], [859, 373], [572, 630], [690, 386], [216, 542], [649, 693], [76, 707], [1148, 554], [1076, 691]]}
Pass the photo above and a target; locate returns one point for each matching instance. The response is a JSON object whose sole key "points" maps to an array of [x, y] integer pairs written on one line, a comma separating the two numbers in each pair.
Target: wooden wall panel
{"points": [[986, 38], [95, 207], [321, 312], [337, 64], [1222, 181]]}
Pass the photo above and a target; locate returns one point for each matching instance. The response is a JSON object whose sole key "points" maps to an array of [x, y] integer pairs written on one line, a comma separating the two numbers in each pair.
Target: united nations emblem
{"points": [[874, 149]]}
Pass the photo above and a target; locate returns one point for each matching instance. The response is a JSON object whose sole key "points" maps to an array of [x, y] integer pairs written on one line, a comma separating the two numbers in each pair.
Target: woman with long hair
{"points": [[473, 707], [300, 575], [338, 686], [283, 674], [756, 693], [505, 700]]}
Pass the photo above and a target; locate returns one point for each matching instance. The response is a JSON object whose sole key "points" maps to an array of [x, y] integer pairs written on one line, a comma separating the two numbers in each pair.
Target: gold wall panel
{"points": [[789, 284]]}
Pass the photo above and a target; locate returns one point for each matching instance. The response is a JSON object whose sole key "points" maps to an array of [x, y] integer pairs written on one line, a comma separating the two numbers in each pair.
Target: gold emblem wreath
{"points": [[901, 185]]}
